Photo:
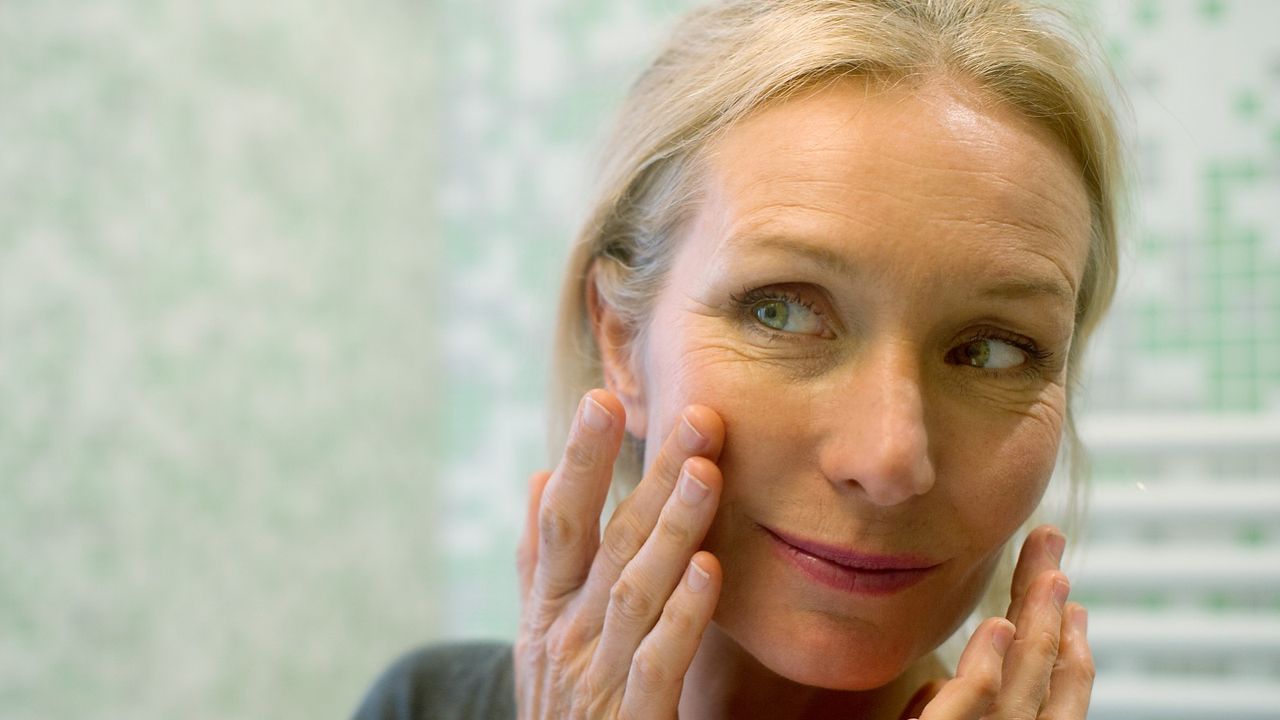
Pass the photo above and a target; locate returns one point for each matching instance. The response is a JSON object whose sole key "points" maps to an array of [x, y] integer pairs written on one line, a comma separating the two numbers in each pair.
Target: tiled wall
{"points": [[276, 281], [219, 306]]}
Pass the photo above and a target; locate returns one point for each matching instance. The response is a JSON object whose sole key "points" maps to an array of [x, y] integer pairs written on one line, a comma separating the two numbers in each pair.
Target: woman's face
{"points": [[877, 295]]}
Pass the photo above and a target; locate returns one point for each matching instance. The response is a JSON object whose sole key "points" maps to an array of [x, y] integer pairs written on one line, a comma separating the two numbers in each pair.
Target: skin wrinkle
{"points": [[839, 327], [928, 215], [721, 350], [753, 352], [1018, 222], [1056, 201], [838, 264]]}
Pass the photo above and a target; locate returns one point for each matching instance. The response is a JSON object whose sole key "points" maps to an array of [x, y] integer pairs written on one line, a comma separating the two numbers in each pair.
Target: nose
{"points": [[876, 441]]}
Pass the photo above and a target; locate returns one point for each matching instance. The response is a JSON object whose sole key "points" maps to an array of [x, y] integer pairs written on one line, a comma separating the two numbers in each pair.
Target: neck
{"points": [[725, 681]]}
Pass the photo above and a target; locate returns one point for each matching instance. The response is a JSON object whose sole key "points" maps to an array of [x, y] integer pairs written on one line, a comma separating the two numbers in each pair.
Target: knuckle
{"points": [[986, 685], [623, 537], [1044, 644], [564, 646], [1086, 670], [561, 647], [673, 531], [558, 650], [625, 506], [537, 616], [556, 527], [681, 620], [648, 672], [629, 601], [581, 454], [615, 555]]}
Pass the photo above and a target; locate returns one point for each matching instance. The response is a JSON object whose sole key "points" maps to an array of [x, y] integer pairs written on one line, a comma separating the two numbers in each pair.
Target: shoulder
{"points": [[454, 681]]}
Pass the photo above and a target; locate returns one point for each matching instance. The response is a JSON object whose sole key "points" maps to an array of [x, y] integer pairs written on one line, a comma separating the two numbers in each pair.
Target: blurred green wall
{"points": [[219, 291], [276, 285]]}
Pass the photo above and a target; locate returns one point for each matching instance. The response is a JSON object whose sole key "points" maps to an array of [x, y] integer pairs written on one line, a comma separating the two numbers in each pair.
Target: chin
{"points": [[810, 651], [808, 668]]}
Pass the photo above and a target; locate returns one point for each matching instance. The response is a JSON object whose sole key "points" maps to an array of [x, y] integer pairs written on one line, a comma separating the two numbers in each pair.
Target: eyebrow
{"points": [[1020, 288], [1012, 289]]}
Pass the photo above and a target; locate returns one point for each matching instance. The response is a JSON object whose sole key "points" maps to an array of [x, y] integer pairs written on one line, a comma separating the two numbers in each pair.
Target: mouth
{"points": [[850, 571]]}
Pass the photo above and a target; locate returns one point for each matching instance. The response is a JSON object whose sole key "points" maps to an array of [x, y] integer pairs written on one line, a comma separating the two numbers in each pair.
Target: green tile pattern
{"points": [[277, 282], [218, 367]]}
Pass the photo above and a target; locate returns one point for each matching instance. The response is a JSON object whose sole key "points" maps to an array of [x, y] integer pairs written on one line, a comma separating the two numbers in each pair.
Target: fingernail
{"points": [[692, 490], [1057, 542], [690, 439], [1061, 588], [1002, 638], [595, 416], [697, 578], [1080, 620]]}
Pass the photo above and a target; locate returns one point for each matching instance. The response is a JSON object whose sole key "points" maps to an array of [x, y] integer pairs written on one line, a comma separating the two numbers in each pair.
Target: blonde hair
{"points": [[732, 57]]}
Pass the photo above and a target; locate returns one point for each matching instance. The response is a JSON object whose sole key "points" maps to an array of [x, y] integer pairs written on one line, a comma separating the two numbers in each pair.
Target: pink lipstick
{"points": [[856, 572]]}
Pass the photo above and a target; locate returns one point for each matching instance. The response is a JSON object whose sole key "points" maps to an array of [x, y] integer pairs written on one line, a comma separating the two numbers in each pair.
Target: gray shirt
{"points": [[459, 681]]}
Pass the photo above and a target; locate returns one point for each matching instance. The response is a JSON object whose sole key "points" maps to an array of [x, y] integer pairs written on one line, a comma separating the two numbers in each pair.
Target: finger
{"points": [[1041, 551], [698, 433], [527, 549], [569, 514], [1071, 683], [647, 582], [978, 674], [657, 670], [1034, 652]]}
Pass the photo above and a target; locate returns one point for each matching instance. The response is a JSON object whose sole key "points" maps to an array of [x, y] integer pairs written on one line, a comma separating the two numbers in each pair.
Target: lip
{"points": [[850, 571]]}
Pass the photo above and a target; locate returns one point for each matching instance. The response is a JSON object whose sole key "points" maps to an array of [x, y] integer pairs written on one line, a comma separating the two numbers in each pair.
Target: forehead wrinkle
{"points": [[1017, 204], [786, 219], [1015, 199], [1010, 287], [815, 252]]}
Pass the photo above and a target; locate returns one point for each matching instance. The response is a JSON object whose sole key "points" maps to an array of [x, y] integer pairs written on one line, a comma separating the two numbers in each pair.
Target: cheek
{"points": [[684, 369], [762, 412], [994, 467]]}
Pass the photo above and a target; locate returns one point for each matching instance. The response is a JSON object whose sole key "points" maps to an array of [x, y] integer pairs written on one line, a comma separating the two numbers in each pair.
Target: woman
{"points": [[836, 288]]}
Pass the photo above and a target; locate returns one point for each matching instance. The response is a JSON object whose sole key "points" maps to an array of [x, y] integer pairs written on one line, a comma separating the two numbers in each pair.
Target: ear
{"points": [[614, 340]]}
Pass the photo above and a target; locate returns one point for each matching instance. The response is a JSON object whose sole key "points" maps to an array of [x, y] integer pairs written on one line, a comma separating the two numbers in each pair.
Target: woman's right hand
{"points": [[609, 626]]}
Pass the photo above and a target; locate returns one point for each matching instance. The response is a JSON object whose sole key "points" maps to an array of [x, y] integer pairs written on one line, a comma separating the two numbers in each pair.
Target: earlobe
{"points": [[613, 338]]}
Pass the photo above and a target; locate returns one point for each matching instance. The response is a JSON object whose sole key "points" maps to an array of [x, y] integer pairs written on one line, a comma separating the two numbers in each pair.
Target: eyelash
{"points": [[745, 302], [1037, 359], [748, 299]]}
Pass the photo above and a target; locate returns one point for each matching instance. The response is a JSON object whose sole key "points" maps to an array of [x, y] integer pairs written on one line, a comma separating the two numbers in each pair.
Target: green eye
{"points": [[991, 354], [773, 313], [792, 316], [976, 353]]}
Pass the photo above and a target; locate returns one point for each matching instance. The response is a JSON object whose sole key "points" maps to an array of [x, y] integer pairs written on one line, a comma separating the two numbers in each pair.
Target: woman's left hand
{"points": [[1033, 663]]}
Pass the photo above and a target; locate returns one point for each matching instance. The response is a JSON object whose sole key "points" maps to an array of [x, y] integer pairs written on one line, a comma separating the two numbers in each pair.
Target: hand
{"points": [[1033, 663], [609, 626]]}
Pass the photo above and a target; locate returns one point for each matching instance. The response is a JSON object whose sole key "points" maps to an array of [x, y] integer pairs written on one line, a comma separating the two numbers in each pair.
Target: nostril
{"points": [[889, 470]]}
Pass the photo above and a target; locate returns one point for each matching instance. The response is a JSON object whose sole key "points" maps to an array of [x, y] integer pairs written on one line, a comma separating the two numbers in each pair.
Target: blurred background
{"points": [[276, 288]]}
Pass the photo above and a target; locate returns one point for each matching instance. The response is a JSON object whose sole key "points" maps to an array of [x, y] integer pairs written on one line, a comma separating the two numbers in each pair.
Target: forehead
{"points": [[934, 171]]}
